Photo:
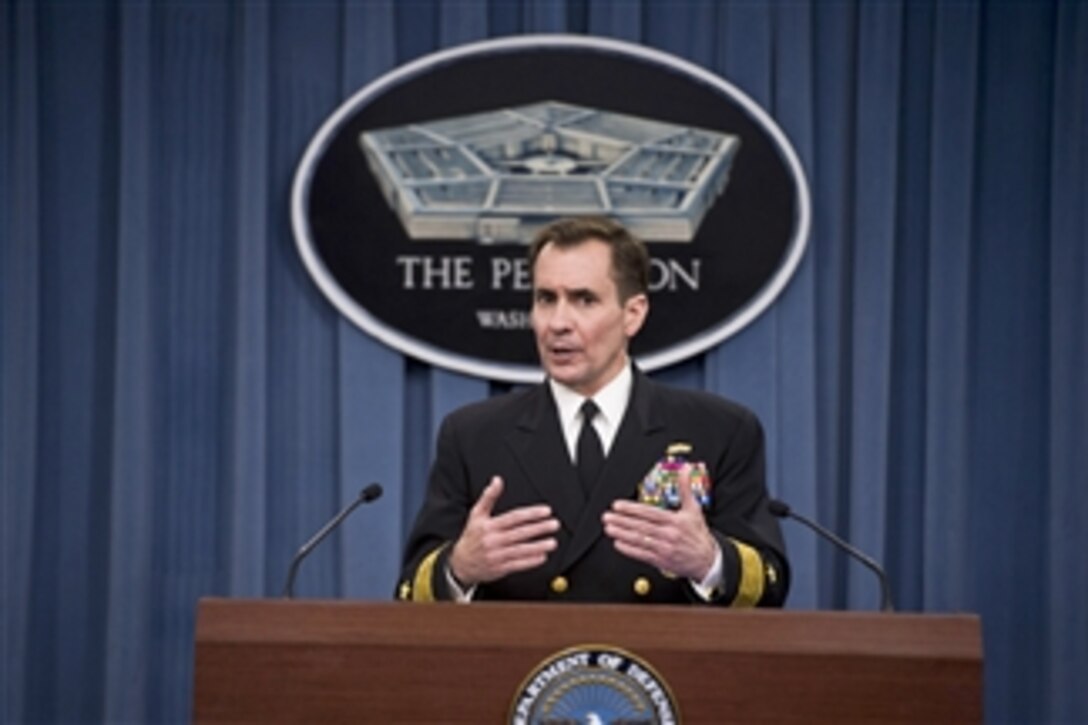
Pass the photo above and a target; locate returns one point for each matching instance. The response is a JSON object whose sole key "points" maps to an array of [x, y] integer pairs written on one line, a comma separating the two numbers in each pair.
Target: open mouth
{"points": [[563, 353]]}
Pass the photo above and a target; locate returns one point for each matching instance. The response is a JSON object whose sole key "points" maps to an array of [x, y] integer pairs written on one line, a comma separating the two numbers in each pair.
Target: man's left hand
{"points": [[678, 542]]}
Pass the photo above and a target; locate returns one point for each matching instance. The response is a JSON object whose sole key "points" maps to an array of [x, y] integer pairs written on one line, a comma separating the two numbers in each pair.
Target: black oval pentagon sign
{"points": [[413, 204]]}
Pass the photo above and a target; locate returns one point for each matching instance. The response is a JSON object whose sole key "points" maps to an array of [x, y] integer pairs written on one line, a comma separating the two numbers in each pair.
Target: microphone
{"points": [[781, 510], [367, 495]]}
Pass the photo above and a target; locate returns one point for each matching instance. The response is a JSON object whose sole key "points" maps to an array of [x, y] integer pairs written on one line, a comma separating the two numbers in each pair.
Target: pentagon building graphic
{"points": [[498, 176]]}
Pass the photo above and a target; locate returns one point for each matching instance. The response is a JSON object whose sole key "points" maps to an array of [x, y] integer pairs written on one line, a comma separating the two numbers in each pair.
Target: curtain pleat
{"points": [[616, 19], [741, 49], [20, 346], [182, 408], [191, 181], [302, 328], [461, 23], [415, 29], [1008, 382], [682, 29], [873, 219], [251, 220], [903, 555], [792, 443], [371, 430], [1068, 399], [371, 442], [132, 481], [68, 547], [946, 579], [831, 243], [547, 16]]}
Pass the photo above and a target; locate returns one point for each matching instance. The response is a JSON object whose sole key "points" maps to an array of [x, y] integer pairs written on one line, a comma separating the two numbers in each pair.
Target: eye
{"points": [[543, 297], [585, 298]]}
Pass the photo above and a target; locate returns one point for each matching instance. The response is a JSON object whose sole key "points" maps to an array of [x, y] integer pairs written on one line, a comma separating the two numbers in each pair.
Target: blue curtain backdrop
{"points": [[181, 408]]}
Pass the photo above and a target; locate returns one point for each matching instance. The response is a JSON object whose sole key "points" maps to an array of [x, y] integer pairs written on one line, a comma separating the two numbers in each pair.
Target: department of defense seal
{"points": [[596, 684]]}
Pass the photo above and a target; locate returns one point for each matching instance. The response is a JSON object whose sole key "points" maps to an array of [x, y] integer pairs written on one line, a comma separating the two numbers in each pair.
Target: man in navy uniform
{"points": [[599, 484]]}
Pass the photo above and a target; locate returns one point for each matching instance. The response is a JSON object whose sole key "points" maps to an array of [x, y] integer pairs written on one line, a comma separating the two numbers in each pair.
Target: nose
{"points": [[559, 319]]}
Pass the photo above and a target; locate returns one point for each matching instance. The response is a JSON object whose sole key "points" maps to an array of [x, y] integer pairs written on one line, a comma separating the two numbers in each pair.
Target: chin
{"points": [[567, 377]]}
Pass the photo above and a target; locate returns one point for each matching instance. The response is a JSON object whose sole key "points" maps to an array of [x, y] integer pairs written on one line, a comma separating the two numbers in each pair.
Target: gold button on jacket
{"points": [[560, 584], [642, 586]]}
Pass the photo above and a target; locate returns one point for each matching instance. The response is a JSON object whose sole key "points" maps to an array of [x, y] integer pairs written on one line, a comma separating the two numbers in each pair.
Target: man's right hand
{"points": [[490, 547]]}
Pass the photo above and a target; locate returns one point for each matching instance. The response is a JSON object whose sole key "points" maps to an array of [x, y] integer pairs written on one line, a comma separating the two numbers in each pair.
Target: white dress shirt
{"points": [[611, 402]]}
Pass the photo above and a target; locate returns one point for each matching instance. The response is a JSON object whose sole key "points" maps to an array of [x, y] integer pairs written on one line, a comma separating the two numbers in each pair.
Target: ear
{"points": [[635, 310]]}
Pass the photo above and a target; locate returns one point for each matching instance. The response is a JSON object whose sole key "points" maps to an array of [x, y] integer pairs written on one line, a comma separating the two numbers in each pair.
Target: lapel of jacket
{"points": [[639, 442], [537, 442]]}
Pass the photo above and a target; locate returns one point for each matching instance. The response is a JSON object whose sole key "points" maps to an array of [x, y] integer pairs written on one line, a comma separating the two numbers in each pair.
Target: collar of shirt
{"points": [[612, 400]]}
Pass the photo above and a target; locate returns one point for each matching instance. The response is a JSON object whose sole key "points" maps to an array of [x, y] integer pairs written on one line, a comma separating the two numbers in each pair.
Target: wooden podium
{"points": [[322, 661]]}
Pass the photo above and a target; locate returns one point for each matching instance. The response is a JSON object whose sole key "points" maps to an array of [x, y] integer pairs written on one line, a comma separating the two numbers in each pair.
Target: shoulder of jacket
{"points": [[701, 400], [496, 408]]}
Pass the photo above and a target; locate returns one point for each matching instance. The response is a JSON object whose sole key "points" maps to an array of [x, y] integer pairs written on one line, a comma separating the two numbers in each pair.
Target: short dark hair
{"points": [[630, 260]]}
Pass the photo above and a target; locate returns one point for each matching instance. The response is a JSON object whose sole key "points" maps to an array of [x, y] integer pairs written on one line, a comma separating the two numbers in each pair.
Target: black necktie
{"points": [[590, 450]]}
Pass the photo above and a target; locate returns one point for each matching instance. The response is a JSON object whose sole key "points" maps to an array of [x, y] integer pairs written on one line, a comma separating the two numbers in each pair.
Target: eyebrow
{"points": [[573, 292]]}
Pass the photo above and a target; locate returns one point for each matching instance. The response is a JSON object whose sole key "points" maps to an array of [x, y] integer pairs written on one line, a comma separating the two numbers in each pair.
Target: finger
{"points": [[523, 556], [523, 564], [639, 553], [500, 541], [541, 547], [524, 515], [616, 524], [529, 531], [687, 495], [628, 529], [635, 534], [490, 495], [635, 511]]}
